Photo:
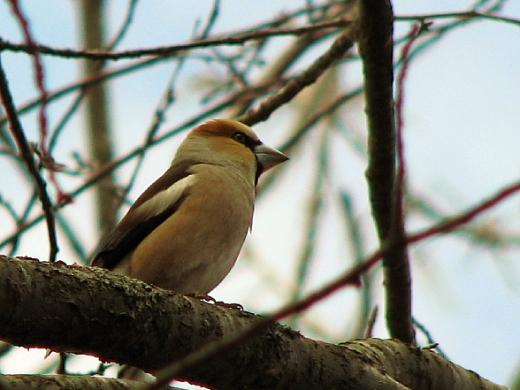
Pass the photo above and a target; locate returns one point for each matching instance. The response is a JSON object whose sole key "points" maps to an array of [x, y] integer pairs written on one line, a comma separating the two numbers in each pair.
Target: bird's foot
{"points": [[234, 306], [210, 299], [203, 297]]}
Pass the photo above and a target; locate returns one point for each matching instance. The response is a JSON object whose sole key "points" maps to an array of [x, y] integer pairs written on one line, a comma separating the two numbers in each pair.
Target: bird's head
{"points": [[232, 143]]}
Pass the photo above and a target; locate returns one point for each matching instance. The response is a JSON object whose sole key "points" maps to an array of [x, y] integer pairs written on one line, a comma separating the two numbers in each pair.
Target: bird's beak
{"points": [[269, 157]]}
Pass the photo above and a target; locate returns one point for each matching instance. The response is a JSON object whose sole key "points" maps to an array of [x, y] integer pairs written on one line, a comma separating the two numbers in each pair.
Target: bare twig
{"points": [[99, 77], [26, 212], [338, 49], [25, 150], [66, 228], [5, 204], [355, 239], [213, 15], [45, 158], [458, 15], [38, 74], [429, 337], [296, 49], [371, 321], [299, 133], [490, 234], [127, 21], [237, 39], [118, 37], [74, 238], [312, 218], [399, 104]]}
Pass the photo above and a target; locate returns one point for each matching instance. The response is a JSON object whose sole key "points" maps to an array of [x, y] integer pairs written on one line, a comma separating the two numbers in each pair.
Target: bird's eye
{"points": [[240, 137]]}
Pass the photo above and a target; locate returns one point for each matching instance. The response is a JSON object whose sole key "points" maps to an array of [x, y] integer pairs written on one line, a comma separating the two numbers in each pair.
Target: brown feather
{"points": [[130, 232]]}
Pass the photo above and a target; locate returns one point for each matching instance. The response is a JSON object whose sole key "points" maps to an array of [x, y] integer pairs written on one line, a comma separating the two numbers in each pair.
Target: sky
{"points": [[461, 145]]}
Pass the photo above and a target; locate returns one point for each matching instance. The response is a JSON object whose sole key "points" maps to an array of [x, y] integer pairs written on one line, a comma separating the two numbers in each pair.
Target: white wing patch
{"points": [[164, 199]]}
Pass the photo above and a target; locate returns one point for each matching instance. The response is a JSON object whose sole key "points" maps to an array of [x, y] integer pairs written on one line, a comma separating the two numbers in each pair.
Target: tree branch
{"points": [[67, 382], [27, 156], [93, 311], [97, 118], [376, 48], [231, 39], [337, 50]]}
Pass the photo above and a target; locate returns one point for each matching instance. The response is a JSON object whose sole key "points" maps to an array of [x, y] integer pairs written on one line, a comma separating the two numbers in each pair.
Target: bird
{"points": [[185, 231]]}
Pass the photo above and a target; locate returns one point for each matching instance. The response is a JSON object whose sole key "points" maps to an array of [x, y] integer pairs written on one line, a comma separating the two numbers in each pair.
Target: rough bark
{"points": [[92, 311], [65, 382]]}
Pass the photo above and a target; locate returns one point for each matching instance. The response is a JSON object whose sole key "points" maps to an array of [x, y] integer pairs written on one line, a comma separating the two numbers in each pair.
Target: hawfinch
{"points": [[184, 233]]}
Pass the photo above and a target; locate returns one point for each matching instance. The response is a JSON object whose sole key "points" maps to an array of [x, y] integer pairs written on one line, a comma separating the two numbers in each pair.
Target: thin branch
{"points": [[397, 271], [312, 217], [46, 159], [118, 37], [465, 217], [213, 15], [19, 220], [26, 212], [237, 39], [100, 77], [296, 49], [371, 321], [127, 21], [458, 15], [355, 239], [422, 328], [38, 74], [337, 50], [401, 164], [54, 135], [74, 240], [166, 101], [25, 150], [5, 204], [485, 234]]}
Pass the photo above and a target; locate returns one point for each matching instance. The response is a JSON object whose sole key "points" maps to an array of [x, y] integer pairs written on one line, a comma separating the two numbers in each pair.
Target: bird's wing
{"points": [[152, 208]]}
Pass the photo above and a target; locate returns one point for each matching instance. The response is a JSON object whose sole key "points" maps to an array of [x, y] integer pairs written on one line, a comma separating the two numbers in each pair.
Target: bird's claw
{"points": [[210, 299]]}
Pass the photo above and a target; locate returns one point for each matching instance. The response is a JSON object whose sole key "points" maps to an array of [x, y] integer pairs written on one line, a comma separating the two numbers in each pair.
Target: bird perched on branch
{"points": [[184, 233]]}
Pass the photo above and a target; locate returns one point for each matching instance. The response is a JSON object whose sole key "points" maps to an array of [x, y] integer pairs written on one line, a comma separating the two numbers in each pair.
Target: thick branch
{"points": [[376, 48], [66, 382], [92, 311]]}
